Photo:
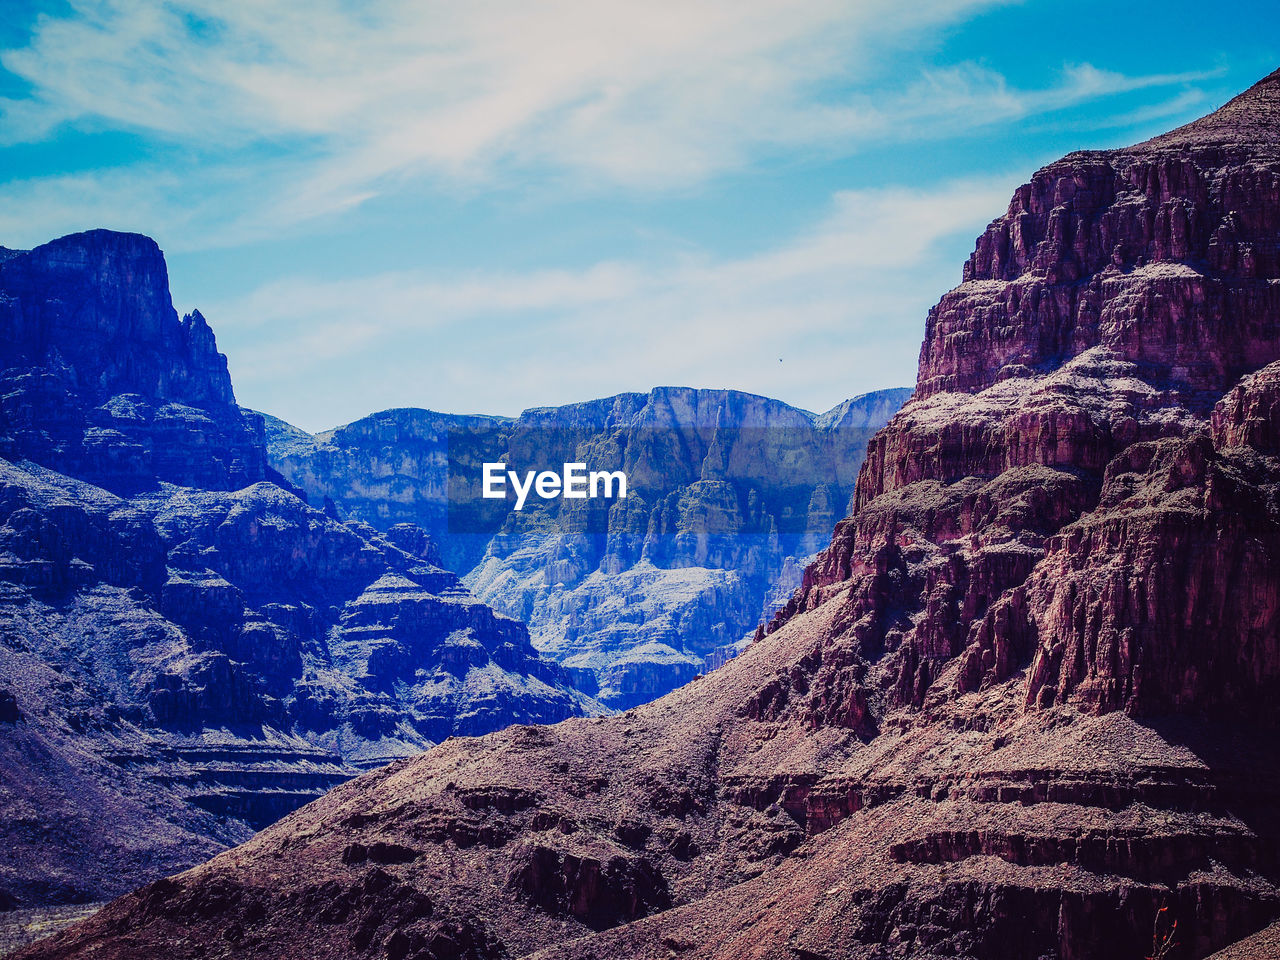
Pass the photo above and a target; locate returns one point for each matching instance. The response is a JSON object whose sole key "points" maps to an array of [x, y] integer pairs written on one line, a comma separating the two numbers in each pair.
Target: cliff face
{"points": [[1076, 372], [188, 650], [1021, 707], [393, 467], [728, 494], [101, 379]]}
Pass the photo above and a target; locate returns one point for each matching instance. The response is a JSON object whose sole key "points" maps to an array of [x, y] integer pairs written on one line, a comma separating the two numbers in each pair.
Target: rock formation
{"points": [[729, 495], [1023, 706], [188, 650], [103, 382]]}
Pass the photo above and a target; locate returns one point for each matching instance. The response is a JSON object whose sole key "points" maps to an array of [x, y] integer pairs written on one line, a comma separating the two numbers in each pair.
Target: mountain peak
{"points": [[142, 394], [1251, 118]]}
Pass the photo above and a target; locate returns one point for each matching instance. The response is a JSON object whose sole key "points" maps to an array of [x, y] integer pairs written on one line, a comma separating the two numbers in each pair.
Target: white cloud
{"points": [[398, 82], [840, 305], [329, 103]]}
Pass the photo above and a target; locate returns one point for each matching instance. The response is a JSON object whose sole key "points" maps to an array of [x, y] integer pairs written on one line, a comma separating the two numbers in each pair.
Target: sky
{"points": [[486, 206]]}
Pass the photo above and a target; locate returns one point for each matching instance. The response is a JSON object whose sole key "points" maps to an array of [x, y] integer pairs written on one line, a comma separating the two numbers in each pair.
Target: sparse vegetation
{"points": [[1163, 934]]}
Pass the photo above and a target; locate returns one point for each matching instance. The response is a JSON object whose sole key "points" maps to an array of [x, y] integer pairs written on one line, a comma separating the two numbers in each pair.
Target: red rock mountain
{"points": [[1024, 705]]}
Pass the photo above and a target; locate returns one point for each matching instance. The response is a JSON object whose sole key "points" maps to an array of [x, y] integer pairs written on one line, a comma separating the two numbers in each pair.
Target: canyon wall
{"points": [[188, 649], [728, 496]]}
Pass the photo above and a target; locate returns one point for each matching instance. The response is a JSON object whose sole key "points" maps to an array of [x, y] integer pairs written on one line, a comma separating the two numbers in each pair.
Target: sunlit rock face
{"points": [[729, 494], [1076, 483]]}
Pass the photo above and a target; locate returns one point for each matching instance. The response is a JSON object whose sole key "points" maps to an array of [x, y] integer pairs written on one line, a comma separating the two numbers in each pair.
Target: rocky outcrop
{"points": [[1100, 321], [189, 650], [394, 467], [634, 598], [1021, 707], [102, 381], [1166, 598]]}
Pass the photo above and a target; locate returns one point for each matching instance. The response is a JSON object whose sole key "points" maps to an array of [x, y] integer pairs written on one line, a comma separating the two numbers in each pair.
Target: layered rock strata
{"points": [[728, 495]]}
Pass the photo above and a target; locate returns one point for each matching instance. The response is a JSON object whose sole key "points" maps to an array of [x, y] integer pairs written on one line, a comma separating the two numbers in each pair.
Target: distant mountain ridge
{"points": [[729, 493]]}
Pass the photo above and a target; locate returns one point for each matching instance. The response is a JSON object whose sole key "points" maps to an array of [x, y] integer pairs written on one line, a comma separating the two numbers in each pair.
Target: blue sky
{"points": [[487, 206]]}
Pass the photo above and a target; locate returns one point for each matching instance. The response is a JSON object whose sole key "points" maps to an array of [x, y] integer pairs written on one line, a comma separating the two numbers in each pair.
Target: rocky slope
{"points": [[187, 649], [729, 495], [1263, 945], [1022, 707]]}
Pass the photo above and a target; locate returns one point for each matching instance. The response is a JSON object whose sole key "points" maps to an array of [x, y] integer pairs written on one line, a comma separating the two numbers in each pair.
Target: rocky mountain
{"points": [[1023, 706], [103, 382], [188, 650], [729, 495]]}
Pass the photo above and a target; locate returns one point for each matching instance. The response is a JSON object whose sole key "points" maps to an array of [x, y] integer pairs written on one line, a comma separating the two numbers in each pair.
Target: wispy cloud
{"points": [[359, 99], [842, 300]]}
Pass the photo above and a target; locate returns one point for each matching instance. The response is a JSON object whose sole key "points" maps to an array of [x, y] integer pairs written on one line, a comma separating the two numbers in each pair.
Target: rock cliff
{"points": [[729, 495], [1023, 706], [188, 650], [1072, 416], [103, 382]]}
